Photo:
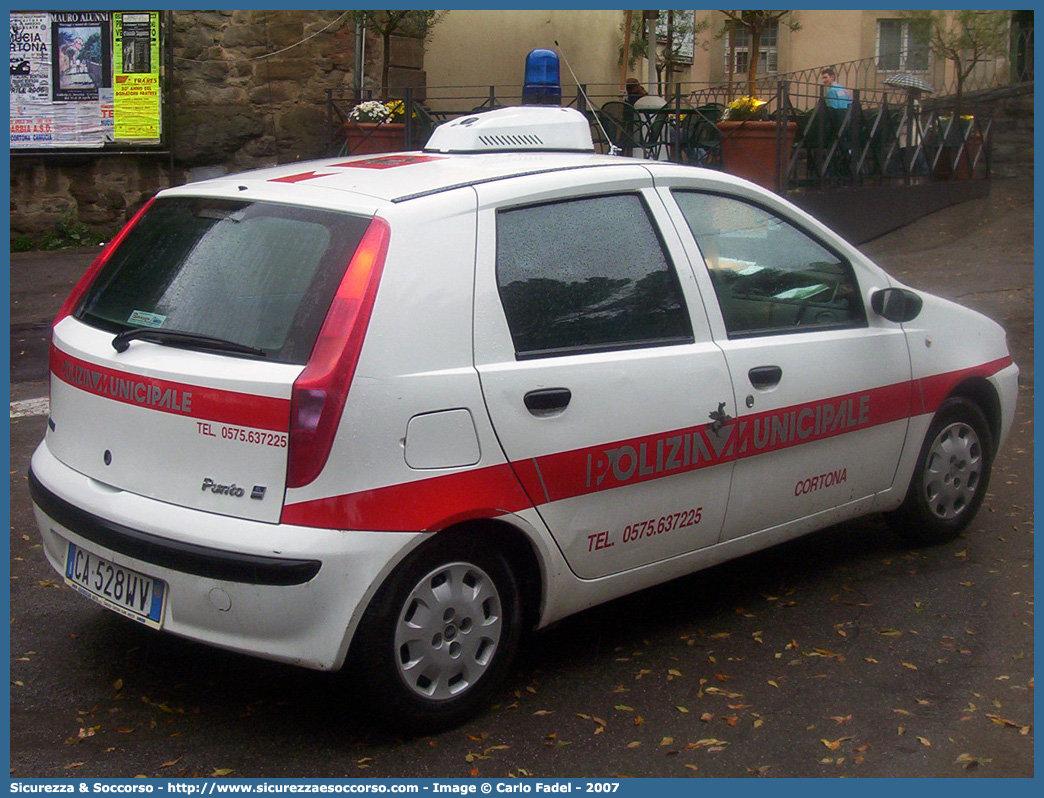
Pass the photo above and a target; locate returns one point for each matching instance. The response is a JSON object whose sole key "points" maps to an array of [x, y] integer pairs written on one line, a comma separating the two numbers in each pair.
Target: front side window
{"points": [[587, 275], [769, 276], [254, 273]]}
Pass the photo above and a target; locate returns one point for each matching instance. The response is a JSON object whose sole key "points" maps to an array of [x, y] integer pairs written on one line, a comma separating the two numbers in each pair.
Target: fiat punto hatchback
{"points": [[392, 411]]}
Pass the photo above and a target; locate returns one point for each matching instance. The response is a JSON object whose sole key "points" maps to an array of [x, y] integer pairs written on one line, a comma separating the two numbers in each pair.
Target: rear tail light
{"points": [[321, 390], [99, 263]]}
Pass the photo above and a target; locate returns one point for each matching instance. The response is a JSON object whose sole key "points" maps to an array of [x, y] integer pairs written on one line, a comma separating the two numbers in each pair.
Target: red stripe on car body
{"points": [[432, 504], [424, 505]]}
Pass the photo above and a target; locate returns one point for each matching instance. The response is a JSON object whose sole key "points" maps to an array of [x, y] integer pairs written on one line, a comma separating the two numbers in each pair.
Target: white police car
{"points": [[395, 410]]}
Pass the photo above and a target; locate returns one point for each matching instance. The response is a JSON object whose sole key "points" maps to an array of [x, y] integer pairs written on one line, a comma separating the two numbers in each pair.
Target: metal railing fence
{"points": [[883, 135]]}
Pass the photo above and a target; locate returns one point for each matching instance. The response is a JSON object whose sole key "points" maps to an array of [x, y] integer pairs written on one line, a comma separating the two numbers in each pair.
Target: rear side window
{"points": [[769, 276], [587, 275], [255, 273]]}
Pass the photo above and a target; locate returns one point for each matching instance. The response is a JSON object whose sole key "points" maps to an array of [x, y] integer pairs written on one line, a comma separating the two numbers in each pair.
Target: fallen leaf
{"points": [[222, 772], [666, 741], [925, 742], [1004, 721], [635, 744], [967, 761], [623, 708], [833, 745]]}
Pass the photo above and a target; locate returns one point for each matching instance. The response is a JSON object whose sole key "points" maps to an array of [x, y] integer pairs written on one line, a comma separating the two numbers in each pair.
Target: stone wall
{"points": [[239, 107], [237, 103]]}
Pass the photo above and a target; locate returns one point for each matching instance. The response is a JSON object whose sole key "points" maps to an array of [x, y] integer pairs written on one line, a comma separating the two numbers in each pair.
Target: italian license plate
{"points": [[122, 590]]}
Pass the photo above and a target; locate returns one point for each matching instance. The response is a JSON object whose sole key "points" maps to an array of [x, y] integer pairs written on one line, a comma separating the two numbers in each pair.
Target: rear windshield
{"points": [[255, 273]]}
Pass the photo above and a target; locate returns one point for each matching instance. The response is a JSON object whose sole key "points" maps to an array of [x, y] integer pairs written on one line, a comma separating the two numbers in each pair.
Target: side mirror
{"points": [[896, 304]]}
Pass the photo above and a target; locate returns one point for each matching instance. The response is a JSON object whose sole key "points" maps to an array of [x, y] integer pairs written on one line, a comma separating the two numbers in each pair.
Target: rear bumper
{"points": [[187, 558], [287, 593]]}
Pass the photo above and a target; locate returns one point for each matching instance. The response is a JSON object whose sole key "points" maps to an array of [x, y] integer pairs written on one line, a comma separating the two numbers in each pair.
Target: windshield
{"points": [[254, 273]]}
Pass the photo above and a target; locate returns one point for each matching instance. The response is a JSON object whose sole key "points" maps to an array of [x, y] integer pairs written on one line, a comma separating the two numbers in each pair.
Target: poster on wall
{"points": [[63, 88], [136, 77], [81, 55], [31, 119]]}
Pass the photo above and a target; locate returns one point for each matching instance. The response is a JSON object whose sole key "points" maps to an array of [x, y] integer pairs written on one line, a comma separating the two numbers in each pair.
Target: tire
{"points": [[439, 635], [951, 477]]}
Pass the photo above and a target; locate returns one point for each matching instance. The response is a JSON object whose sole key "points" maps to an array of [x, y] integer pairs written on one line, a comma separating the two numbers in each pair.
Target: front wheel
{"points": [[440, 634], [951, 477]]}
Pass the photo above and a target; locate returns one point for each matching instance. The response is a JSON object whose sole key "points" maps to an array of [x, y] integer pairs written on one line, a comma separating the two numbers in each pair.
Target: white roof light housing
{"points": [[534, 128]]}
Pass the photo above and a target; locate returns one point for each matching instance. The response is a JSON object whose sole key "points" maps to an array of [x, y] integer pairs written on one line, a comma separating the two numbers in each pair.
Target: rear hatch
{"points": [[173, 376]]}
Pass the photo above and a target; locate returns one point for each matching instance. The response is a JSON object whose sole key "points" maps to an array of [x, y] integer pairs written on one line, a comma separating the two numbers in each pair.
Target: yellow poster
{"points": [[136, 75]]}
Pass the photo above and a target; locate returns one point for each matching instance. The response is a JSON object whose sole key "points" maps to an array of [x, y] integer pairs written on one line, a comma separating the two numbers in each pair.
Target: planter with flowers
{"points": [[749, 139], [375, 127]]}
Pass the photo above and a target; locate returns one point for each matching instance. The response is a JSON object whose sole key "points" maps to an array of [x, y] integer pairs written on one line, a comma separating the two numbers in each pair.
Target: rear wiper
{"points": [[185, 340]]}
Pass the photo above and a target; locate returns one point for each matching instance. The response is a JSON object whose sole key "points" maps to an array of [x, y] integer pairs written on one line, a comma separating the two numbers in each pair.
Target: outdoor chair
{"points": [[621, 126], [700, 138], [655, 133]]}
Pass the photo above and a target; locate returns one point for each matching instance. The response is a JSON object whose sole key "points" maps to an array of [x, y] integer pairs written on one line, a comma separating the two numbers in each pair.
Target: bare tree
{"points": [[415, 23], [676, 29], [965, 38]]}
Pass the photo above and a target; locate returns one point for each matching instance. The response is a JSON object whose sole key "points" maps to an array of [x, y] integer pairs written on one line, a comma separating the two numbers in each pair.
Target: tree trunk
{"points": [[386, 65], [755, 52], [628, 16]]}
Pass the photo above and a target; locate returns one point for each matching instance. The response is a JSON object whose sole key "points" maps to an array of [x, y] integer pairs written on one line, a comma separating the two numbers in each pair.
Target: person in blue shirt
{"points": [[837, 96]]}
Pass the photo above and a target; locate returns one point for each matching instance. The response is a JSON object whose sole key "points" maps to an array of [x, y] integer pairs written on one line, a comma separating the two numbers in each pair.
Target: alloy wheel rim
{"points": [[448, 631], [952, 471]]}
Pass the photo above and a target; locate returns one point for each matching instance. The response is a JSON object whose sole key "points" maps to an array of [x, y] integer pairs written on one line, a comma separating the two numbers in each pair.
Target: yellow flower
{"points": [[743, 108]]}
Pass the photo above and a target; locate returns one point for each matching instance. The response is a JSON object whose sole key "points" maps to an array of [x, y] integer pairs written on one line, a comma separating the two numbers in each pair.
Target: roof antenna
{"points": [[613, 149]]}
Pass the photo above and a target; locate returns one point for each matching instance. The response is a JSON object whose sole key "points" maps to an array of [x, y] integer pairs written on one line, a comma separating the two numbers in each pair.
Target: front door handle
{"points": [[765, 376], [547, 400]]}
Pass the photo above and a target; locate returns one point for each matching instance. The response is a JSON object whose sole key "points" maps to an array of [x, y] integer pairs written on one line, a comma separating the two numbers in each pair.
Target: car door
{"points": [[823, 388], [598, 368]]}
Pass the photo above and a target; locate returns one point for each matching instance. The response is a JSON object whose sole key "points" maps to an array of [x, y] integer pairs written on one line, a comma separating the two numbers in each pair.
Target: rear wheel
{"points": [[951, 477], [440, 634]]}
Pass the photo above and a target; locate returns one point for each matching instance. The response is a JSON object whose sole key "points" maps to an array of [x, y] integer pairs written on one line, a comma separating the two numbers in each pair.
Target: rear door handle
{"points": [[765, 376], [547, 400]]}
